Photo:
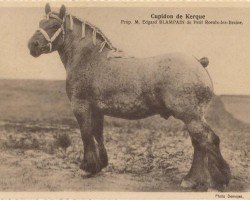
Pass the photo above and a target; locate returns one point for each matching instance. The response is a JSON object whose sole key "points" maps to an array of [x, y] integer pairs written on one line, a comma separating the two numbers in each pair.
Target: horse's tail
{"points": [[204, 61]]}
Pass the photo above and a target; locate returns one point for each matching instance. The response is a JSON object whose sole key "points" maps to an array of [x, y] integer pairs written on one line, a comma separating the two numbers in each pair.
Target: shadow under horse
{"points": [[98, 84]]}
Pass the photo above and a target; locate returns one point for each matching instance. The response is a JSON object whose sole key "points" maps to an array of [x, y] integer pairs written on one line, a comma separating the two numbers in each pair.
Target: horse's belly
{"points": [[125, 107], [130, 115]]}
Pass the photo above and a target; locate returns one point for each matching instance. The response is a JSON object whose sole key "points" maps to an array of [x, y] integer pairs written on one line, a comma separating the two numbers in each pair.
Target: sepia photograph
{"points": [[116, 98]]}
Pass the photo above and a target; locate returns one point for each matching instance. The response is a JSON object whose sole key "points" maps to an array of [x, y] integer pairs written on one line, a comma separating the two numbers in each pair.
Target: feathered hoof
{"points": [[104, 159], [91, 163], [189, 183], [104, 162], [219, 172], [215, 175], [202, 187], [212, 190]]}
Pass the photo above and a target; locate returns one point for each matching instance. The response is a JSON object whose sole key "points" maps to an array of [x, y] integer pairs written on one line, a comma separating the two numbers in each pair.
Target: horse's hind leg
{"points": [[208, 169], [98, 134], [197, 175]]}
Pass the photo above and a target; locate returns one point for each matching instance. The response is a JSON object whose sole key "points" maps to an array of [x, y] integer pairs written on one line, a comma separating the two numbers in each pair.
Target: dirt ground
{"points": [[144, 155]]}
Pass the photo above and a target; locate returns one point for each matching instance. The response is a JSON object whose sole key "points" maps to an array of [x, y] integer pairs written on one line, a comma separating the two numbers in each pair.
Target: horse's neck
{"points": [[75, 48]]}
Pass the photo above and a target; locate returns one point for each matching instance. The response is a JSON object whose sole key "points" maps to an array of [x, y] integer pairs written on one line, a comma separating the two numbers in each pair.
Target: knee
{"points": [[80, 108]]}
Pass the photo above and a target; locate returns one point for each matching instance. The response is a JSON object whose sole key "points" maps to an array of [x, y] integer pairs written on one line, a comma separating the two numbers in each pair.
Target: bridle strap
{"points": [[56, 34], [61, 30], [50, 40], [46, 36], [51, 15]]}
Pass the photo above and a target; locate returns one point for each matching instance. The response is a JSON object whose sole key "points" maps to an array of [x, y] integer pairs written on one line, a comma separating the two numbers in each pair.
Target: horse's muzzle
{"points": [[34, 53], [36, 49]]}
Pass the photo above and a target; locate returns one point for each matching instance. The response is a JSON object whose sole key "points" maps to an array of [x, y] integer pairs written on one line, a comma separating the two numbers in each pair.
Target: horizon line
{"points": [[30, 79]]}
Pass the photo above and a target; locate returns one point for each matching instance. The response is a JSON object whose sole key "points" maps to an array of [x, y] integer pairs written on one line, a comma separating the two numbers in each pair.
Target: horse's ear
{"points": [[62, 11], [47, 8]]}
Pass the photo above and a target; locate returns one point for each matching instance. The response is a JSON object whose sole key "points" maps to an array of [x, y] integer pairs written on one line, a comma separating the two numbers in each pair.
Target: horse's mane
{"points": [[94, 28], [98, 31]]}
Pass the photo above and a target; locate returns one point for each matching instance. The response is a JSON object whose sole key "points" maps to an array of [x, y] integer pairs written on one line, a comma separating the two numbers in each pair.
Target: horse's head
{"points": [[50, 35]]}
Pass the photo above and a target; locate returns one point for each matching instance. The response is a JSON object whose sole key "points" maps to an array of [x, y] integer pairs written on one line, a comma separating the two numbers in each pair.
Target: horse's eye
{"points": [[55, 26]]}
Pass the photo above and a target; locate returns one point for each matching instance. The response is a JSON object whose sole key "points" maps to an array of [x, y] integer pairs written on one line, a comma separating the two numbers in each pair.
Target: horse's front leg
{"points": [[97, 118], [83, 112]]}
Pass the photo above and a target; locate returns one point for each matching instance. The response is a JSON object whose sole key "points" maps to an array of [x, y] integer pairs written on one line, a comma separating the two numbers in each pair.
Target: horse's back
{"points": [[172, 68]]}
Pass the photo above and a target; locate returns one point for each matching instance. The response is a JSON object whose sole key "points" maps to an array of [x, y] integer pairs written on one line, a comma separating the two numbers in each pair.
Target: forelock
{"points": [[48, 22]]}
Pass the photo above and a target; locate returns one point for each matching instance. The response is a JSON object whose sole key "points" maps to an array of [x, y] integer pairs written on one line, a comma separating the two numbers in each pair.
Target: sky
{"points": [[226, 46]]}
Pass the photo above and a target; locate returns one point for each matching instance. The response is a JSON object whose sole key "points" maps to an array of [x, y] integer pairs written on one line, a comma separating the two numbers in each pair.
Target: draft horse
{"points": [[98, 84]]}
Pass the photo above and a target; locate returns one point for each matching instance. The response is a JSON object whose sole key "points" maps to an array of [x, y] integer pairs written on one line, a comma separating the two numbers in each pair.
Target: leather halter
{"points": [[56, 34]]}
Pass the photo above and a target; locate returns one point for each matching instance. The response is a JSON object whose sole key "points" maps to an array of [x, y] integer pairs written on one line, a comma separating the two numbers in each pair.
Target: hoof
{"points": [[91, 163], [104, 161], [219, 172], [103, 156], [187, 184], [215, 177], [212, 190]]}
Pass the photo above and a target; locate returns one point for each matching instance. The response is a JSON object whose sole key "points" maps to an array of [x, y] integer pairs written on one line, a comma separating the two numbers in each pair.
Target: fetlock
{"points": [[103, 156]]}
